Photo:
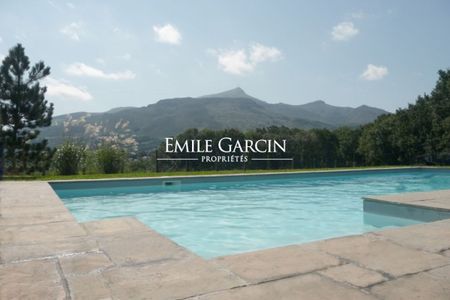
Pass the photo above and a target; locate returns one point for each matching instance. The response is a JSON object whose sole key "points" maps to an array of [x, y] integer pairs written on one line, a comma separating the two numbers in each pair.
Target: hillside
{"points": [[143, 128]]}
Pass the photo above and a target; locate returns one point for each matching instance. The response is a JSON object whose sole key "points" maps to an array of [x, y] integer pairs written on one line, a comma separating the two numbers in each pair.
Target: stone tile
{"points": [[23, 212], [441, 273], [435, 203], [10, 253], [354, 275], [134, 248], [434, 285], [84, 263], [40, 233], [311, 287], [26, 202], [432, 237], [33, 291], [31, 280], [42, 270], [27, 194], [275, 263], [34, 215], [446, 253], [169, 280], [114, 226], [87, 287], [380, 255]]}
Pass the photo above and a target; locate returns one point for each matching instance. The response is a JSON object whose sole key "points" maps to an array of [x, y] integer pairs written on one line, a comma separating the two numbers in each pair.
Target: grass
{"points": [[174, 173]]}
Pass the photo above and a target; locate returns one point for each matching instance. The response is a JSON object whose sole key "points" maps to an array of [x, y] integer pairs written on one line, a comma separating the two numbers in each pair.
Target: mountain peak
{"points": [[318, 102], [233, 93]]}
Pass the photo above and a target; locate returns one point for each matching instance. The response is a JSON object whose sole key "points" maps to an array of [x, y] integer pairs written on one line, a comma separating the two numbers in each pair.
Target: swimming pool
{"points": [[214, 216]]}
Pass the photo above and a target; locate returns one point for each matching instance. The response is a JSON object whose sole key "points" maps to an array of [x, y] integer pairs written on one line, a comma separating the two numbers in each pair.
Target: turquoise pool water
{"points": [[221, 216]]}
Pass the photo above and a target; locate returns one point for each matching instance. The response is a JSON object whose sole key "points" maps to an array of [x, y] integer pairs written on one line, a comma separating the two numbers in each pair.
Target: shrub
{"points": [[110, 159], [90, 165], [69, 158], [141, 164]]}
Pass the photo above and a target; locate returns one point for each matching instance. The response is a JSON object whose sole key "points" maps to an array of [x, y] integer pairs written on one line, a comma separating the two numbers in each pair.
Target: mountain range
{"points": [[143, 128]]}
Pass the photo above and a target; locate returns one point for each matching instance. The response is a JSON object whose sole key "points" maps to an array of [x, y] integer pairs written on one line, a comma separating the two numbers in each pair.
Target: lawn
{"points": [[177, 173]]}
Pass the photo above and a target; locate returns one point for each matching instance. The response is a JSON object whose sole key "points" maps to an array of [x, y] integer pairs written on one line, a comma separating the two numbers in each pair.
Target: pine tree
{"points": [[23, 107]]}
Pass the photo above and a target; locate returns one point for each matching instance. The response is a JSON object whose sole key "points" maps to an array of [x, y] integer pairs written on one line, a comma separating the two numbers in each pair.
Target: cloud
{"points": [[70, 5], [260, 53], [344, 31], [168, 34], [1, 40], [58, 88], [81, 69], [73, 30], [241, 61], [373, 72], [234, 62]]}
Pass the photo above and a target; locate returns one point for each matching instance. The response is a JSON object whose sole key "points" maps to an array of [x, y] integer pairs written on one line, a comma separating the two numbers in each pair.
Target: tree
{"points": [[348, 139], [376, 143], [23, 107], [419, 133], [441, 116]]}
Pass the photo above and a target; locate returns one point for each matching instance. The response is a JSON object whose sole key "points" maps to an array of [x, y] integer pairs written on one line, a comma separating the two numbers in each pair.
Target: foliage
{"points": [[419, 134], [23, 109], [141, 164], [69, 159], [348, 139], [110, 159], [89, 164]]}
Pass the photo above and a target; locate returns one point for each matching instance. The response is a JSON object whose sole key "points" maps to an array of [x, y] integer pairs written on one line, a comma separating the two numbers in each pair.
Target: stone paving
{"points": [[46, 254]]}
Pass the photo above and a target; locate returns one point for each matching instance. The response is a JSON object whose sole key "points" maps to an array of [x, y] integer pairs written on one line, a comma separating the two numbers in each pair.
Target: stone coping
{"points": [[46, 254], [328, 171]]}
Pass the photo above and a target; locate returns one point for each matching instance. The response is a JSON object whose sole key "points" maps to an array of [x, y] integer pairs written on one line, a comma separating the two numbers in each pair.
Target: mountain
{"points": [[333, 115], [143, 128]]}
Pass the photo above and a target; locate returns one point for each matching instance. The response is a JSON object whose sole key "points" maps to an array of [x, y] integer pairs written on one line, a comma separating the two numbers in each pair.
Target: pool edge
{"points": [[391, 256], [250, 174]]}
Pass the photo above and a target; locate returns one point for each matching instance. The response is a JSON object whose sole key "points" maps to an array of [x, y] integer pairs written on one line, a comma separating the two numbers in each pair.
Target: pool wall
{"points": [[155, 181], [422, 214]]}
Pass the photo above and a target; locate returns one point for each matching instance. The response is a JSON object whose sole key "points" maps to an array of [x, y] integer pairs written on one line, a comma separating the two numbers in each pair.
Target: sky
{"points": [[107, 54]]}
